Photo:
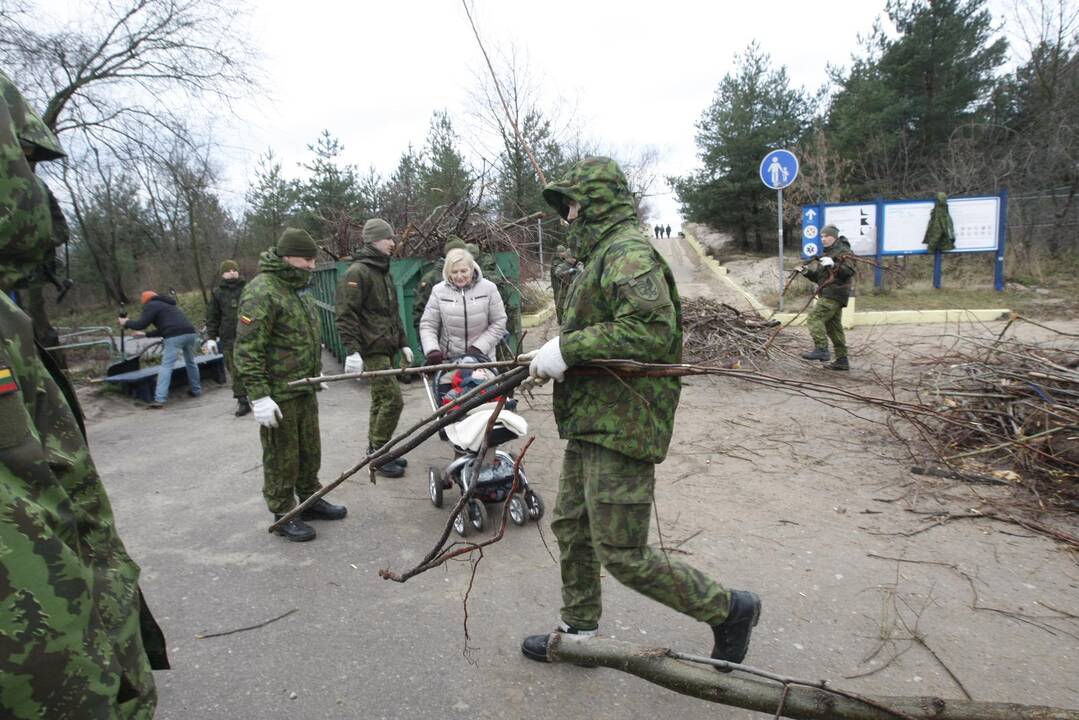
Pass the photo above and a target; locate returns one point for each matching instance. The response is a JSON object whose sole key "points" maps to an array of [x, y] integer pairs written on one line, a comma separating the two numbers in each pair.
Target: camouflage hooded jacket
{"points": [[76, 639], [622, 303], [277, 336], [366, 302]]}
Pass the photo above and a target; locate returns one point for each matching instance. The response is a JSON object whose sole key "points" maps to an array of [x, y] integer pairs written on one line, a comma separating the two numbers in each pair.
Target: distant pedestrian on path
{"points": [[668, 231], [178, 336], [221, 318]]}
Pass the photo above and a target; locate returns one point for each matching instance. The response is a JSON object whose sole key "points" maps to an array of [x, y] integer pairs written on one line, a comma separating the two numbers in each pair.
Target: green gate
{"points": [[406, 274]]}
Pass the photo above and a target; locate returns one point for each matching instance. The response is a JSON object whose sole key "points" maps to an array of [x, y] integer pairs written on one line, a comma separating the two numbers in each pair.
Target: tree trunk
{"points": [[755, 693]]}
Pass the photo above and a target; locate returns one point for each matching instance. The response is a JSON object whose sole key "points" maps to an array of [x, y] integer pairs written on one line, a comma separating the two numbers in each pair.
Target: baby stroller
{"points": [[495, 478]]}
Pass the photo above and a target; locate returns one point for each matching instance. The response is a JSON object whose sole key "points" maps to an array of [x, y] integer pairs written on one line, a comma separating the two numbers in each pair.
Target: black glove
{"points": [[435, 357]]}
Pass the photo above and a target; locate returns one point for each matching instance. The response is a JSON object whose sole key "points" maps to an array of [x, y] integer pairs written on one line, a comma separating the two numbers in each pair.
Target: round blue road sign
{"points": [[778, 169]]}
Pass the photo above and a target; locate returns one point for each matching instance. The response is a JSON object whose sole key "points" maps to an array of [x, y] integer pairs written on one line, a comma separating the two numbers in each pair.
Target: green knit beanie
{"points": [[830, 230], [474, 249], [227, 265], [454, 243], [296, 243], [377, 229]]}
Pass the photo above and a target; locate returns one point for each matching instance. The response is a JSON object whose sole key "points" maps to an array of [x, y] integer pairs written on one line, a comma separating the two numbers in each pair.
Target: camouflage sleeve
{"points": [[251, 353], [213, 316], [349, 306], [637, 290]]}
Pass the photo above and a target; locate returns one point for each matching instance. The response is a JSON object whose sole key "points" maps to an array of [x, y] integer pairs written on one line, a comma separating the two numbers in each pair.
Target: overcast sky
{"points": [[630, 74]]}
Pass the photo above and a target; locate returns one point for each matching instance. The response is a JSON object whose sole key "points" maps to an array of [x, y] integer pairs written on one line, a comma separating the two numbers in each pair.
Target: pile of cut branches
{"points": [[713, 331], [1009, 409]]}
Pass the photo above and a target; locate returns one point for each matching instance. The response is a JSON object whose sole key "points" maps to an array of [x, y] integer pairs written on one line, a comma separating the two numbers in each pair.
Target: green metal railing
{"points": [[406, 274]]}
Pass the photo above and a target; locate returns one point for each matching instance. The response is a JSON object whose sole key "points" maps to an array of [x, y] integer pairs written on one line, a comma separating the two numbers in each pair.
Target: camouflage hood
{"points": [[31, 130], [272, 264], [599, 185], [26, 232]]}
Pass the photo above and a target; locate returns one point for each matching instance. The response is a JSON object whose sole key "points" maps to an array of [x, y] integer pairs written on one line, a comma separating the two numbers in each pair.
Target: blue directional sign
{"points": [[778, 169], [811, 223]]}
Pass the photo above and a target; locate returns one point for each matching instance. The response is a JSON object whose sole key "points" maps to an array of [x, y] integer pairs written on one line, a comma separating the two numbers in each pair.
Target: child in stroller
{"points": [[494, 478]]}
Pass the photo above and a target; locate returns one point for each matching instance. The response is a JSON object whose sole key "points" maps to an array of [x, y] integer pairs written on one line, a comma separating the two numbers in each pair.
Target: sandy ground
{"points": [[801, 502]]}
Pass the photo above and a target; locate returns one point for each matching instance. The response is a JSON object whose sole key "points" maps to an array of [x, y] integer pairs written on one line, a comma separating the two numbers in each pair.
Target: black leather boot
{"points": [[392, 469], [243, 406], [821, 354], [534, 647], [322, 510], [840, 363], [295, 529], [732, 635]]}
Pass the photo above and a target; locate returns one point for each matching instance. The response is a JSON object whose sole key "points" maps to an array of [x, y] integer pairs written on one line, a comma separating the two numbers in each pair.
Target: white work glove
{"points": [[407, 352], [826, 262], [354, 363], [547, 362], [266, 411]]}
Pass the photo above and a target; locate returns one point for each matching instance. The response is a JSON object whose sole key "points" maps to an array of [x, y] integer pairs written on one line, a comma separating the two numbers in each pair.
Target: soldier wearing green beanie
{"points": [[221, 319], [833, 271], [370, 327], [278, 341]]}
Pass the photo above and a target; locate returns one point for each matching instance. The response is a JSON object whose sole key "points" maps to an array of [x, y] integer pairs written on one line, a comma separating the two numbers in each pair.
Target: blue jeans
{"points": [[188, 345]]}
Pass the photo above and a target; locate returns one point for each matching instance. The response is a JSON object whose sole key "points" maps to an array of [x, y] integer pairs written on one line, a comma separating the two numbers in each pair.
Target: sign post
{"points": [[778, 170]]}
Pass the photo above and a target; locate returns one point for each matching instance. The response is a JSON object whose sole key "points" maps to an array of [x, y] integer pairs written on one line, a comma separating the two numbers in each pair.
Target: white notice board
{"points": [[857, 223], [976, 220]]}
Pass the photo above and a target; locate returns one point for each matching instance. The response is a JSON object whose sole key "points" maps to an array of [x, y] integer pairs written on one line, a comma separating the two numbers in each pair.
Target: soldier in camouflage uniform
{"points": [[834, 275], [623, 304], [370, 328], [430, 278], [76, 637], [221, 324], [277, 341]]}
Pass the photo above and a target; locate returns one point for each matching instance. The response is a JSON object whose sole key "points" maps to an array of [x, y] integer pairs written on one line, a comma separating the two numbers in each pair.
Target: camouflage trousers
{"points": [[386, 402], [601, 517], [291, 454], [825, 322], [238, 390]]}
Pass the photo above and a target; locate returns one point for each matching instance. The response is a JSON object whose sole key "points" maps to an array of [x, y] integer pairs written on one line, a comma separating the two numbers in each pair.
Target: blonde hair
{"points": [[455, 257]]}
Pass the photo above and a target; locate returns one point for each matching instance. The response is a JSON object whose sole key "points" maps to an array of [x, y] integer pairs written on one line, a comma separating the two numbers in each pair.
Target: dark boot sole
{"points": [[752, 624], [296, 538]]}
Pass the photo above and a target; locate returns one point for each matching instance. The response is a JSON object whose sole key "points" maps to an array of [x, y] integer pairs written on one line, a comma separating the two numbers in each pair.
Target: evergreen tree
{"points": [[445, 177], [271, 202]]}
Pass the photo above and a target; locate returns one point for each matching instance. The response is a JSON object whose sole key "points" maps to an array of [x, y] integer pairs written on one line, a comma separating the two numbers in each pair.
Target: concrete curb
{"points": [[850, 317], [537, 318]]}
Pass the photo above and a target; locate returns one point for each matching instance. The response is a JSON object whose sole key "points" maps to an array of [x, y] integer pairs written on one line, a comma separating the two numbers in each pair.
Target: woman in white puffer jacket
{"points": [[464, 313]]}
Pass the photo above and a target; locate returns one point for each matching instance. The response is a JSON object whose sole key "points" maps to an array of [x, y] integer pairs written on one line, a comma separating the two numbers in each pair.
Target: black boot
{"points": [[295, 529], [821, 354], [732, 635], [392, 469], [322, 510], [243, 406], [534, 647], [840, 363]]}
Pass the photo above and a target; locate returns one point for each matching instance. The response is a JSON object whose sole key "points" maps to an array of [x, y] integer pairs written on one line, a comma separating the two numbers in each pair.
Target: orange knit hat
{"points": [[147, 296]]}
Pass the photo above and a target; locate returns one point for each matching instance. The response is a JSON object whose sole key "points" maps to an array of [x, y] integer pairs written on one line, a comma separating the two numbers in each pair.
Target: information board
{"points": [[857, 223], [976, 223]]}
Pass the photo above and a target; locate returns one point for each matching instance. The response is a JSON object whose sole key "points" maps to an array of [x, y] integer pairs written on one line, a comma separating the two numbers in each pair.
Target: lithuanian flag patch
{"points": [[246, 320], [7, 381]]}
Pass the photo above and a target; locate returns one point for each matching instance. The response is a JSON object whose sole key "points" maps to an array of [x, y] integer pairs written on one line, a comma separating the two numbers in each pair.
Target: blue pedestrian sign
{"points": [[778, 169]]}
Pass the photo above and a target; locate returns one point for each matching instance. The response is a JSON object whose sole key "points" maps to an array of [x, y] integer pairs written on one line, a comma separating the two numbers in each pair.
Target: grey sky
{"points": [[631, 74]]}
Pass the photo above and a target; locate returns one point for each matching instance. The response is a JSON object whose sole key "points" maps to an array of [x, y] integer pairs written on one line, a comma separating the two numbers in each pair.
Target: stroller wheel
{"points": [[518, 509], [460, 525], [477, 514], [434, 485], [535, 505]]}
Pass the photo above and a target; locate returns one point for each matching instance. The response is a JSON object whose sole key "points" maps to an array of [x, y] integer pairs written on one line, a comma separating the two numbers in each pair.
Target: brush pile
{"points": [[1009, 409], [716, 333]]}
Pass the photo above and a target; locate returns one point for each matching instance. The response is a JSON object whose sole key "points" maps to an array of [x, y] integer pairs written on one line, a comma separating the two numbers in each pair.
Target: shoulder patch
{"points": [[645, 286], [8, 383]]}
